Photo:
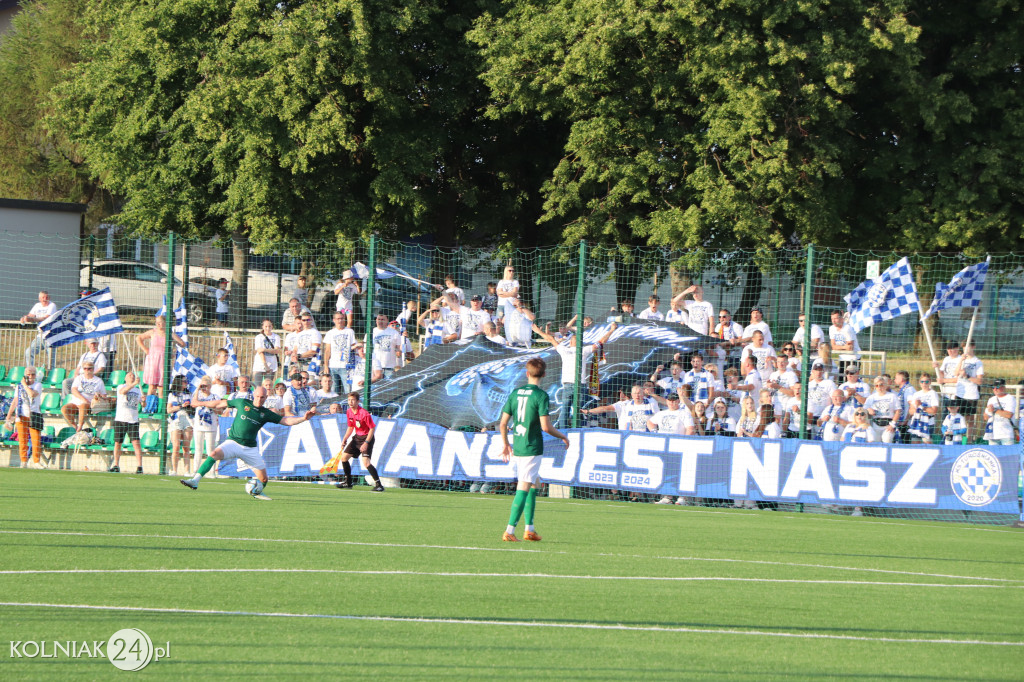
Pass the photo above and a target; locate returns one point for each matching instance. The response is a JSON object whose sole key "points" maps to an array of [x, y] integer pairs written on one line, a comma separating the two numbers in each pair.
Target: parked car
{"points": [[141, 287], [390, 295]]}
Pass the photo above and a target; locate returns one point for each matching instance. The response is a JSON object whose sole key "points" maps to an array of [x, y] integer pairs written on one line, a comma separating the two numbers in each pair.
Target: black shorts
{"points": [[968, 407], [122, 428], [353, 447]]}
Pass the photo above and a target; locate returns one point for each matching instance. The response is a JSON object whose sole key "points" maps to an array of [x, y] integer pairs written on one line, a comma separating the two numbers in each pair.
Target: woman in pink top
{"points": [[153, 369]]}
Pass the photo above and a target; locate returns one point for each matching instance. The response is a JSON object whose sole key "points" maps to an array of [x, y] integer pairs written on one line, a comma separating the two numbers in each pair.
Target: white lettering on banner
{"points": [[651, 466], [493, 454], [412, 451], [600, 448], [873, 477], [690, 450], [906, 491], [745, 462], [301, 448], [333, 435], [381, 436], [468, 454], [809, 459], [567, 472]]}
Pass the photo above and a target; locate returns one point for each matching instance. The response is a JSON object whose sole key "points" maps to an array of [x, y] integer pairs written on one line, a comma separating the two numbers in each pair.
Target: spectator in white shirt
{"points": [[763, 354], [961, 376], [651, 312], [92, 356], [817, 336], [85, 388], [338, 343], [266, 349], [567, 353], [39, 312], [757, 323], [731, 334], [843, 340], [507, 289], [700, 313], [492, 335], [473, 318], [999, 414], [633, 414], [346, 289]]}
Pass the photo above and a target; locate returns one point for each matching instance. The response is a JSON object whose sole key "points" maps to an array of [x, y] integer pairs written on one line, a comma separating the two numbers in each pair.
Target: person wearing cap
{"points": [[472, 318], [94, 356], [855, 388], [299, 398], [221, 294], [567, 352], [757, 323], [346, 289], [387, 345], [819, 390], [651, 312], [999, 414]]}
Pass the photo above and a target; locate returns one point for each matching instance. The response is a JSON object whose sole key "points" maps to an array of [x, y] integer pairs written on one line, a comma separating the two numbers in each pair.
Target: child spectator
{"points": [[651, 312], [126, 421], [432, 324], [490, 299], [700, 381], [179, 425], [221, 294], [954, 426], [670, 384], [222, 374], [843, 340], [347, 288], [720, 423], [266, 349]]}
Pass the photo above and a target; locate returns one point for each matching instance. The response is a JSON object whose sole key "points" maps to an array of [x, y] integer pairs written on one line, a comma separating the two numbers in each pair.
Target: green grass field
{"points": [[325, 583]]}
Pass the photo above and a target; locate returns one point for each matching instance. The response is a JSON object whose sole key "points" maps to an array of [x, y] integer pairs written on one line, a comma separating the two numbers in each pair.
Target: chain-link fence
{"points": [[452, 329]]}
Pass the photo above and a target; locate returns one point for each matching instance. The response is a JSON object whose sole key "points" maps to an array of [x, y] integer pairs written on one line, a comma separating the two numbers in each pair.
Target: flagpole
{"points": [[927, 334]]}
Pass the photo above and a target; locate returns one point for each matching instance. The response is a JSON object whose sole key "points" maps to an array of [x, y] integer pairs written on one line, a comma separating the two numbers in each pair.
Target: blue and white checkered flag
{"points": [[190, 367], [232, 358], [180, 319], [890, 295], [90, 317], [963, 291], [314, 365]]}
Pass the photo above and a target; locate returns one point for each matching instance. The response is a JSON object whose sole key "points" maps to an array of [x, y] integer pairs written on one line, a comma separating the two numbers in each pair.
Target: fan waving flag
{"points": [[890, 295], [89, 317], [180, 319], [963, 291], [190, 367], [229, 346]]}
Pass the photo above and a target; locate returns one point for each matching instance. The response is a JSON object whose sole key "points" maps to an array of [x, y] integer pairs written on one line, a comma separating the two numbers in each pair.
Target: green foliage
{"points": [[39, 160], [294, 120], [760, 123]]}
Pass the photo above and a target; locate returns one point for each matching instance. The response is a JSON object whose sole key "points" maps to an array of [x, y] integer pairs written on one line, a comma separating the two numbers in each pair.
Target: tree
{"points": [[39, 160], [765, 124]]}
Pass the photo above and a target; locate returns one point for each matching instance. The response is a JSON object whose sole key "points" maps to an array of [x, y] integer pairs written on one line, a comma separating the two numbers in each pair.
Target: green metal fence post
{"points": [[805, 365], [580, 374], [370, 284], [168, 348]]}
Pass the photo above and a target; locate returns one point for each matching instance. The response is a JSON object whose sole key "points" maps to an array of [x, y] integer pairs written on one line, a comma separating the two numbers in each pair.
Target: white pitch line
{"points": [[515, 623], [507, 549], [473, 574]]}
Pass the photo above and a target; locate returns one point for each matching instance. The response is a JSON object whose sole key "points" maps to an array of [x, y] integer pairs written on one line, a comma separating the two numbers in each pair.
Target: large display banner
{"points": [[471, 379], [980, 478]]}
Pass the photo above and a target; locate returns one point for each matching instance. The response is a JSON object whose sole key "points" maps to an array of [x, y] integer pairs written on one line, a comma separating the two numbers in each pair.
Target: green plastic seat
{"points": [[14, 377], [63, 435], [50, 404], [116, 378], [151, 441], [56, 377], [106, 437]]}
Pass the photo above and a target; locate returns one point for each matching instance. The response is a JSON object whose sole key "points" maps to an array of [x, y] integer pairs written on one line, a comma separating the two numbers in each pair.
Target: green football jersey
{"points": [[249, 419], [526, 405]]}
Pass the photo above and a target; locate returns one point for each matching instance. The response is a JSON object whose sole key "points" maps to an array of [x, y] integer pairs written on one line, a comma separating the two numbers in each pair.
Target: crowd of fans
{"points": [[747, 385]]}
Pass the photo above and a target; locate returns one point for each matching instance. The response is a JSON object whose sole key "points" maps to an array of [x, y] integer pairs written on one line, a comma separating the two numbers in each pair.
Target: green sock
{"points": [[517, 508], [205, 467], [531, 502]]}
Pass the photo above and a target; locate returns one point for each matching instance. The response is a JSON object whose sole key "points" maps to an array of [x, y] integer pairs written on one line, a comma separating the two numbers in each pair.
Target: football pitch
{"points": [[327, 583]]}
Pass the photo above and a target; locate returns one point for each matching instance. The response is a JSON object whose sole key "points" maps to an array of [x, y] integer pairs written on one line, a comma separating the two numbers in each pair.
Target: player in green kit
{"points": [[527, 408], [250, 416]]}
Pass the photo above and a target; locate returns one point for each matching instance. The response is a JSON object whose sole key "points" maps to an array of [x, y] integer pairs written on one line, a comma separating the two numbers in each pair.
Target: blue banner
{"points": [[980, 478]]}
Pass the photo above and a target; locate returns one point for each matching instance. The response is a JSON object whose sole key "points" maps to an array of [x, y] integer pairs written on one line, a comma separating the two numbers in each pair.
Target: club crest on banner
{"points": [[976, 477], [81, 317]]}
